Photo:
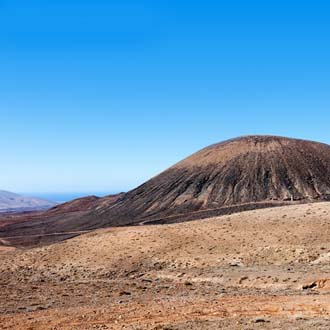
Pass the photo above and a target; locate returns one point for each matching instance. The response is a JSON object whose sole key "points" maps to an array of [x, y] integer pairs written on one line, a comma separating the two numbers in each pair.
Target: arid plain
{"points": [[235, 236], [262, 269]]}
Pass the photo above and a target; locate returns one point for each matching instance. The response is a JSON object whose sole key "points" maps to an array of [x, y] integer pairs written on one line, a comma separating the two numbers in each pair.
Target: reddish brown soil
{"points": [[264, 269]]}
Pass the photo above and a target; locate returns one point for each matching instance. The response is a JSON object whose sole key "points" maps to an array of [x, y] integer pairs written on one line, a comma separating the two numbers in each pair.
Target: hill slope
{"points": [[235, 175], [246, 170], [10, 202]]}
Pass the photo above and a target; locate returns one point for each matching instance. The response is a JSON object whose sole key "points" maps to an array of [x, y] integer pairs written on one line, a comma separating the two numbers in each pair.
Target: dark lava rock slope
{"points": [[253, 169], [235, 175]]}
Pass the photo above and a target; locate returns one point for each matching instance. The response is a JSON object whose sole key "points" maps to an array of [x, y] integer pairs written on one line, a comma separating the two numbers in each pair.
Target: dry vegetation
{"points": [[265, 269]]}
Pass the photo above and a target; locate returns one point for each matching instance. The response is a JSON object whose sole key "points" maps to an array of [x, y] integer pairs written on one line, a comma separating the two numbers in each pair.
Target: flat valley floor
{"points": [[264, 269]]}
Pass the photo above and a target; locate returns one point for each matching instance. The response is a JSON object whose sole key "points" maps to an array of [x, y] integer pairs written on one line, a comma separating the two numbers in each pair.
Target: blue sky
{"points": [[102, 95]]}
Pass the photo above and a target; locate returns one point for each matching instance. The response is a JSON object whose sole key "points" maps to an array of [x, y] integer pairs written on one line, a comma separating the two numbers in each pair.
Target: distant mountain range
{"points": [[10, 202]]}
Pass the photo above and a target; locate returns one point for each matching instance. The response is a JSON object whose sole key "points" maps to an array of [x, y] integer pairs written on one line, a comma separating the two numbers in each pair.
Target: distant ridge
{"points": [[83, 204], [11, 202]]}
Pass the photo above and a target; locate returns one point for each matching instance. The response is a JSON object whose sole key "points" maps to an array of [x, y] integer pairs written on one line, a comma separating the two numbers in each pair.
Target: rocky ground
{"points": [[264, 269]]}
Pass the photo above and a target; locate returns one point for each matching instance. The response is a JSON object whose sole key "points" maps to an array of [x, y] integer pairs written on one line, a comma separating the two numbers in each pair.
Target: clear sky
{"points": [[101, 95]]}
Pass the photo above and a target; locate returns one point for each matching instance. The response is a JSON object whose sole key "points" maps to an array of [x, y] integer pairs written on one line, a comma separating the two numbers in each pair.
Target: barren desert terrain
{"points": [[262, 269], [236, 175]]}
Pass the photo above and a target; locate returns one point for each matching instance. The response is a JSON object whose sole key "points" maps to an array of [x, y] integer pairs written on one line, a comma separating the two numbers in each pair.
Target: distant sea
{"points": [[65, 197]]}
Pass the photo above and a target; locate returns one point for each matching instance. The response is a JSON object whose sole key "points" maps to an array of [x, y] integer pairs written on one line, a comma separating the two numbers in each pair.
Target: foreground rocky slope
{"points": [[236, 175], [264, 269]]}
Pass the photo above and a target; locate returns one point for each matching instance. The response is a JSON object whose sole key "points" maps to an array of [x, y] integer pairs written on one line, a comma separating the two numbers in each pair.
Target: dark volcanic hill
{"points": [[245, 170], [243, 173]]}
